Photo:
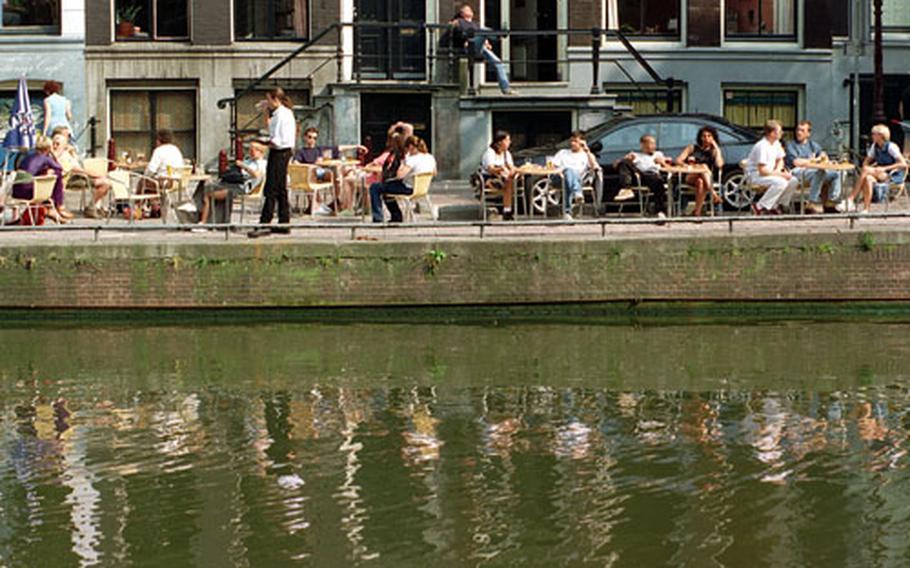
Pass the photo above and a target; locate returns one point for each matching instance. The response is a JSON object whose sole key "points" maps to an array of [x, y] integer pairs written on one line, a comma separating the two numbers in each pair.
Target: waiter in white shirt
{"points": [[282, 139]]}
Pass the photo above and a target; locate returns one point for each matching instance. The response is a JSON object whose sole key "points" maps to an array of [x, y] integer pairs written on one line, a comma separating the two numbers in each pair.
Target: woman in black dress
{"points": [[706, 152]]}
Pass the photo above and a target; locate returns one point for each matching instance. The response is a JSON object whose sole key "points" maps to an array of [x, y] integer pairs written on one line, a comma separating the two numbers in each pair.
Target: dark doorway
{"points": [[895, 86], [537, 128], [378, 111], [390, 52], [532, 58]]}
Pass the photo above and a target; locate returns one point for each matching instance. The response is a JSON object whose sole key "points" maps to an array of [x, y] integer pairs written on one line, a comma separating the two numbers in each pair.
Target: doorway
{"points": [[380, 110], [385, 46], [531, 58]]}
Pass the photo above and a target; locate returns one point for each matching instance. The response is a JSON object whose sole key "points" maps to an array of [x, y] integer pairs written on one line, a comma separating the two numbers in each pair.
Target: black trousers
{"points": [[276, 187], [654, 182]]}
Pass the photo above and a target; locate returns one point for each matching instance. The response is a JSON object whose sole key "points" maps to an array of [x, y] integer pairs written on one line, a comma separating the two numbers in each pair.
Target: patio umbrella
{"points": [[21, 132]]}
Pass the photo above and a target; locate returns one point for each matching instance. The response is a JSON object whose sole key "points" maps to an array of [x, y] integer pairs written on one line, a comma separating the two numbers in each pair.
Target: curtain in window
{"points": [[300, 18], [783, 17]]}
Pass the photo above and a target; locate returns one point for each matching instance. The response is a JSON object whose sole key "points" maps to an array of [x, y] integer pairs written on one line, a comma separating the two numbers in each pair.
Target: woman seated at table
{"points": [[884, 164], [38, 163], [312, 153], [705, 152], [405, 161], [66, 156], [253, 169], [498, 169]]}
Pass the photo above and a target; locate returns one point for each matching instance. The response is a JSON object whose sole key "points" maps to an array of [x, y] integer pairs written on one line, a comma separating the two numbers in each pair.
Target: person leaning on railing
{"points": [[884, 164], [646, 163]]}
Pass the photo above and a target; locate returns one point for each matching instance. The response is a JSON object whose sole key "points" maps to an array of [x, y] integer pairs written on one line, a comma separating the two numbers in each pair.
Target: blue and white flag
{"points": [[21, 132]]}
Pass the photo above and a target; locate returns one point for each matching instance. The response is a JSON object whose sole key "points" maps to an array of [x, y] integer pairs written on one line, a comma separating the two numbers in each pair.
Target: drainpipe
{"points": [[879, 77]]}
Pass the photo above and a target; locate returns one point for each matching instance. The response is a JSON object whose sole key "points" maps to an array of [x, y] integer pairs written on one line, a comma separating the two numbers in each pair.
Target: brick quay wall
{"points": [[296, 273]]}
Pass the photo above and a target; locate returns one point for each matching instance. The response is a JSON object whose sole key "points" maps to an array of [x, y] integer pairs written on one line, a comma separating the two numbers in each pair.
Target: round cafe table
{"points": [[338, 166], [842, 168], [544, 195]]}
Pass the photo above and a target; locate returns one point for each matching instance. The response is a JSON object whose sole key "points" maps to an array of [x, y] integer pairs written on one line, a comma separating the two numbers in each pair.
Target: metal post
{"points": [[431, 39], [93, 135], [879, 77], [671, 82], [595, 61], [339, 53], [235, 134]]}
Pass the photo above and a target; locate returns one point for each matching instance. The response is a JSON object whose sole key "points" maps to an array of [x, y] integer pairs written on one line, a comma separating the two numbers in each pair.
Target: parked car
{"points": [[613, 139]]}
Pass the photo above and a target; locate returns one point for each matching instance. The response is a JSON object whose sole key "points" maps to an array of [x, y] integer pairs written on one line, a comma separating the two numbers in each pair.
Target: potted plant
{"points": [[126, 16]]}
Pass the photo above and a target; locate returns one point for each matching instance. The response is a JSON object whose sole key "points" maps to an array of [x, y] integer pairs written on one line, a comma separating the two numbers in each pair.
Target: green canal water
{"points": [[571, 444]]}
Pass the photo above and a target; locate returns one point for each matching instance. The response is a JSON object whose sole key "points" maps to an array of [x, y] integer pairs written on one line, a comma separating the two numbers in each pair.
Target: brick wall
{"points": [[583, 14], [849, 266]]}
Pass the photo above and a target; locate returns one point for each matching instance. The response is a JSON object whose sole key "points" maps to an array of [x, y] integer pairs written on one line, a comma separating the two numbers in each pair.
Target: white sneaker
{"points": [[578, 198], [844, 206], [567, 217], [863, 211], [324, 210]]}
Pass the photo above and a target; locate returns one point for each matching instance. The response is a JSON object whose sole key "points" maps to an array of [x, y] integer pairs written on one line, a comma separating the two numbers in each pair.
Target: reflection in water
{"points": [[312, 460]]}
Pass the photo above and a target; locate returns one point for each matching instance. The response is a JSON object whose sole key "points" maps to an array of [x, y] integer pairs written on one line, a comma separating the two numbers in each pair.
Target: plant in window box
{"points": [[126, 17]]}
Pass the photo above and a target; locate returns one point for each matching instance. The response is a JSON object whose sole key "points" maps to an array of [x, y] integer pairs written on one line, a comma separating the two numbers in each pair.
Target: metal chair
{"points": [[123, 188], [492, 192], [42, 190], [626, 195], [896, 190], [302, 179], [421, 191]]}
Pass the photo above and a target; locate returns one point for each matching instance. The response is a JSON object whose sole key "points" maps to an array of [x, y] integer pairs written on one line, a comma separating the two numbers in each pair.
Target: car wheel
{"points": [[736, 194], [543, 196]]}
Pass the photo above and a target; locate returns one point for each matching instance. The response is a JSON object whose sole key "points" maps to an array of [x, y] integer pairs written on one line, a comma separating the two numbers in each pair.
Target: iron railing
{"points": [[435, 50]]}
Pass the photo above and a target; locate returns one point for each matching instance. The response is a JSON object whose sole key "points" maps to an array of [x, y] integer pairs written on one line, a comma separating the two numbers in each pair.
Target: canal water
{"points": [[761, 444]]}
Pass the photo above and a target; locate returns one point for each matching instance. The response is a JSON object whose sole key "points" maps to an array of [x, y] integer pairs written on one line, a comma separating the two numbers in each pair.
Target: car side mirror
{"points": [[596, 147]]}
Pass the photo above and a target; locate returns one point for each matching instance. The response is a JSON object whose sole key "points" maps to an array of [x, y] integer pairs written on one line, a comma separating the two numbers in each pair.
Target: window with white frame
{"points": [[760, 18], [646, 99]]}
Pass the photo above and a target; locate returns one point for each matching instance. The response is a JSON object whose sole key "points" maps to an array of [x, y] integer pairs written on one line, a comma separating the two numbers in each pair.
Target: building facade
{"points": [[43, 40], [166, 63]]}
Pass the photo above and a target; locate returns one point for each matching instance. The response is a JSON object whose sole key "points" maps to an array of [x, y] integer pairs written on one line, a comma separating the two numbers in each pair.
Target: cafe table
{"points": [[545, 197], [338, 166], [842, 168], [681, 171]]}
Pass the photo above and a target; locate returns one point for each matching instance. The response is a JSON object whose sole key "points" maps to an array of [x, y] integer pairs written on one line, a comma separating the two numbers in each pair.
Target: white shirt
{"points": [[763, 153], [647, 163], [575, 161], [257, 166], [419, 164], [164, 156], [892, 148], [492, 159], [283, 129]]}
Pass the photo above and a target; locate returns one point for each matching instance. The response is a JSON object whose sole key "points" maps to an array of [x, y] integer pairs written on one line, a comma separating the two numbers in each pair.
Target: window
{"points": [[626, 138], [647, 100], [677, 135], [752, 107], [152, 19], [839, 12], [647, 17], [136, 115], [270, 19], [761, 18], [30, 16], [896, 15]]}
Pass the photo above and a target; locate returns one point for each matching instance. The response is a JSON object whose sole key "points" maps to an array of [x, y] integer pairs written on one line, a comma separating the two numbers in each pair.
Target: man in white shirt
{"points": [[282, 139], [765, 167], [575, 161], [166, 155], [414, 163], [646, 164]]}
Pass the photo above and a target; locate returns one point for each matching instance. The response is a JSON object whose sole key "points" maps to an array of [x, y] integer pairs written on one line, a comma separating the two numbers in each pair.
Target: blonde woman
{"points": [[884, 163]]}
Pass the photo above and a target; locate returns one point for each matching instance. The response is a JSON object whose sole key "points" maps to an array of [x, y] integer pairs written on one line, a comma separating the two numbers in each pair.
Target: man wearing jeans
{"points": [[465, 35], [575, 161], [799, 153]]}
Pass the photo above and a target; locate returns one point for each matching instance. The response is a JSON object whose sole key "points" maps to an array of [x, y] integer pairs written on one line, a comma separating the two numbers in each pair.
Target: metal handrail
{"points": [[355, 226]]}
